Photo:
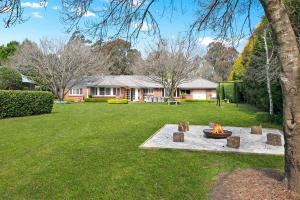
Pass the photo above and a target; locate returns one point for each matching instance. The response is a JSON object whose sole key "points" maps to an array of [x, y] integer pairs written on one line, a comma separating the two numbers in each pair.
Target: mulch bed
{"points": [[252, 184]]}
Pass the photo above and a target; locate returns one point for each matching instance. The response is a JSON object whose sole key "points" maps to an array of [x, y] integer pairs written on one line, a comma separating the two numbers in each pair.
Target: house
{"points": [[137, 88]]}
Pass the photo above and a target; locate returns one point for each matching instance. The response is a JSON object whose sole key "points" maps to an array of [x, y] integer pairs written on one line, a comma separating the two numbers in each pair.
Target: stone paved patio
{"points": [[195, 140]]}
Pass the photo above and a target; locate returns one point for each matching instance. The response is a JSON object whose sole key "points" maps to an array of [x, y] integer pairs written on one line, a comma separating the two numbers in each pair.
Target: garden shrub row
{"points": [[266, 117], [15, 103], [96, 100], [117, 101], [69, 100]]}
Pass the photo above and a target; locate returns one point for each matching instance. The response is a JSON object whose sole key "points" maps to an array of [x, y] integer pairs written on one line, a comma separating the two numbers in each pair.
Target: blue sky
{"points": [[46, 22]]}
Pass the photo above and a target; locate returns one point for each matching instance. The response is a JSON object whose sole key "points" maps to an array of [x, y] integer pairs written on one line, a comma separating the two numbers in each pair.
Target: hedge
{"points": [[96, 100], [231, 91], [117, 101], [69, 100], [15, 103]]}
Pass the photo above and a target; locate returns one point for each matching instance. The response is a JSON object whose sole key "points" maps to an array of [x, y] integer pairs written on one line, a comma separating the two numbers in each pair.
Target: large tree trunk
{"points": [[290, 81]]}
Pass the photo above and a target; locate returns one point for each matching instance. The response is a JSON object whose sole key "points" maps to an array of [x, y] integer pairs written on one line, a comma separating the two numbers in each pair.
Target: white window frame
{"points": [[76, 92], [148, 91], [106, 93]]}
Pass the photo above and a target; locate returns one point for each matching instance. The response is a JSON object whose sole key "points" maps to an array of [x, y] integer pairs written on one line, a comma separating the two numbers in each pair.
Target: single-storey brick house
{"points": [[137, 88]]}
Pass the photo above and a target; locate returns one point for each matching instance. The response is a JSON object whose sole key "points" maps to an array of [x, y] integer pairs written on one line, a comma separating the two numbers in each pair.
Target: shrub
{"points": [[96, 99], [263, 117], [14, 103], [10, 79], [117, 101], [69, 100], [266, 117]]}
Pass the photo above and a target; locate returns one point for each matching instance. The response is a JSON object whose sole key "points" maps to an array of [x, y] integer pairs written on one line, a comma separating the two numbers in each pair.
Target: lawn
{"points": [[90, 151]]}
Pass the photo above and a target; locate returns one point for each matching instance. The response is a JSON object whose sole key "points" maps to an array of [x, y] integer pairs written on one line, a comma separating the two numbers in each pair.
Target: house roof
{"points": [[199, 83], [136, 81], [25, 79]]}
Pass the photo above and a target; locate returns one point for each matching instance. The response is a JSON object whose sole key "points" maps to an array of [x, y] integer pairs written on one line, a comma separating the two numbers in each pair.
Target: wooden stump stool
{"points": [[178, 137], [233, 142], [256, 130], [211, 124], [274, 139], [183, 126]]}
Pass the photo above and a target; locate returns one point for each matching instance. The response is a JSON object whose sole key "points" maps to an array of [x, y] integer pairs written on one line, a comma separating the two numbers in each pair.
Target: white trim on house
{"points": [[76, 92]]}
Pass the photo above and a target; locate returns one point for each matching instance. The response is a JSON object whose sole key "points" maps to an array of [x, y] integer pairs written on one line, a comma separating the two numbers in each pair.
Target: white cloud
{"points": [[205, 41], [136, 3], [37, 15], [89, 14], [56, 8], [41, 4], [145, 26]]}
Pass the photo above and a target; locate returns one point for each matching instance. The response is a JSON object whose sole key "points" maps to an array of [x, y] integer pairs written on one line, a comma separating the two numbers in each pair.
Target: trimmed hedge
{"points": [[266, 117], [15, 103], [69, 100], [96, 100], [117, 101]]}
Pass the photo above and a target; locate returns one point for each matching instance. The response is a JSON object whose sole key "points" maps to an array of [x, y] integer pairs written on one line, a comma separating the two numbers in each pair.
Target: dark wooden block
{"points": [[233, 142], [274, 139], [256, 130], [178, 137]]}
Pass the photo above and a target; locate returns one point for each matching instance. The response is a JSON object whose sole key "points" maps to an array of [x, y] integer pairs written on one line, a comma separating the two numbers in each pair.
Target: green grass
{"points": [[90, 151]]}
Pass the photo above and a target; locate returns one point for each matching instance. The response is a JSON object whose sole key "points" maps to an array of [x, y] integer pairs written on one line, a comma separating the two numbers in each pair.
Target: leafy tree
{"points": [[121, 57], [10, 79], [221, 59], [8, 50]]}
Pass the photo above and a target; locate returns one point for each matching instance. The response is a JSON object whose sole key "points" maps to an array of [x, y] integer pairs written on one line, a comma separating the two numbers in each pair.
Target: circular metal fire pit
{"points": [[209, 134]]}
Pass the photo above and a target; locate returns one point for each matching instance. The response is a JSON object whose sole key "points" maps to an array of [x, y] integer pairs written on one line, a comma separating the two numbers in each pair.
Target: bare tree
{"points": [[170, 64], [222, 18], [264, 67], [61, 65]]}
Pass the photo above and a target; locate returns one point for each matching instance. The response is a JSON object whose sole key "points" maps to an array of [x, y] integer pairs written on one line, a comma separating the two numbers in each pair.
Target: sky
{"points": [[46, 22]]}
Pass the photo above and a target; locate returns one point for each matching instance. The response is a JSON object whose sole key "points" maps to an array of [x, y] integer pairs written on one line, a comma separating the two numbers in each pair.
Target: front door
{"points": [[130, 94]]}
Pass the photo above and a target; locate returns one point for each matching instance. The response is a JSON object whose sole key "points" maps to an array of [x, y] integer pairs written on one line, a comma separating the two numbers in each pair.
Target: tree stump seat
{"points": [[183, 126], [274, 139], [233, 142], [257, 130], [178, 137]]}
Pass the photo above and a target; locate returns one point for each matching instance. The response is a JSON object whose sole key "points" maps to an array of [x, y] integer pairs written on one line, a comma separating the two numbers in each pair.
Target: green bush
{"points": [[117, 101], [263, 117], [266, 117], [14, 103], [69, 100], [96, 100], [10, 79]]}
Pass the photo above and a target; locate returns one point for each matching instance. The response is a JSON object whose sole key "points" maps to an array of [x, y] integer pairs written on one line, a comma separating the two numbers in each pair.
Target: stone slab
{"points": [[194, 139]]}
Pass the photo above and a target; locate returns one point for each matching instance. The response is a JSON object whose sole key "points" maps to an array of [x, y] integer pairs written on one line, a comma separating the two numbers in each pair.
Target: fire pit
{"points": [[217, 132]]}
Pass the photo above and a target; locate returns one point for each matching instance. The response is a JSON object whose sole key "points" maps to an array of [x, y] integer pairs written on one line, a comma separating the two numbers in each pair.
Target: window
{"points": [[101, 91], [116, 91], [108, 91], [148, 91], [75, 91], [187, 92]]}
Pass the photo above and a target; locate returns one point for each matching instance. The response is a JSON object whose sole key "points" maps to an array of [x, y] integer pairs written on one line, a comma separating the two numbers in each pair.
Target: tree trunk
{"points": [[60, 94], [290, 81], [267, 67]]}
